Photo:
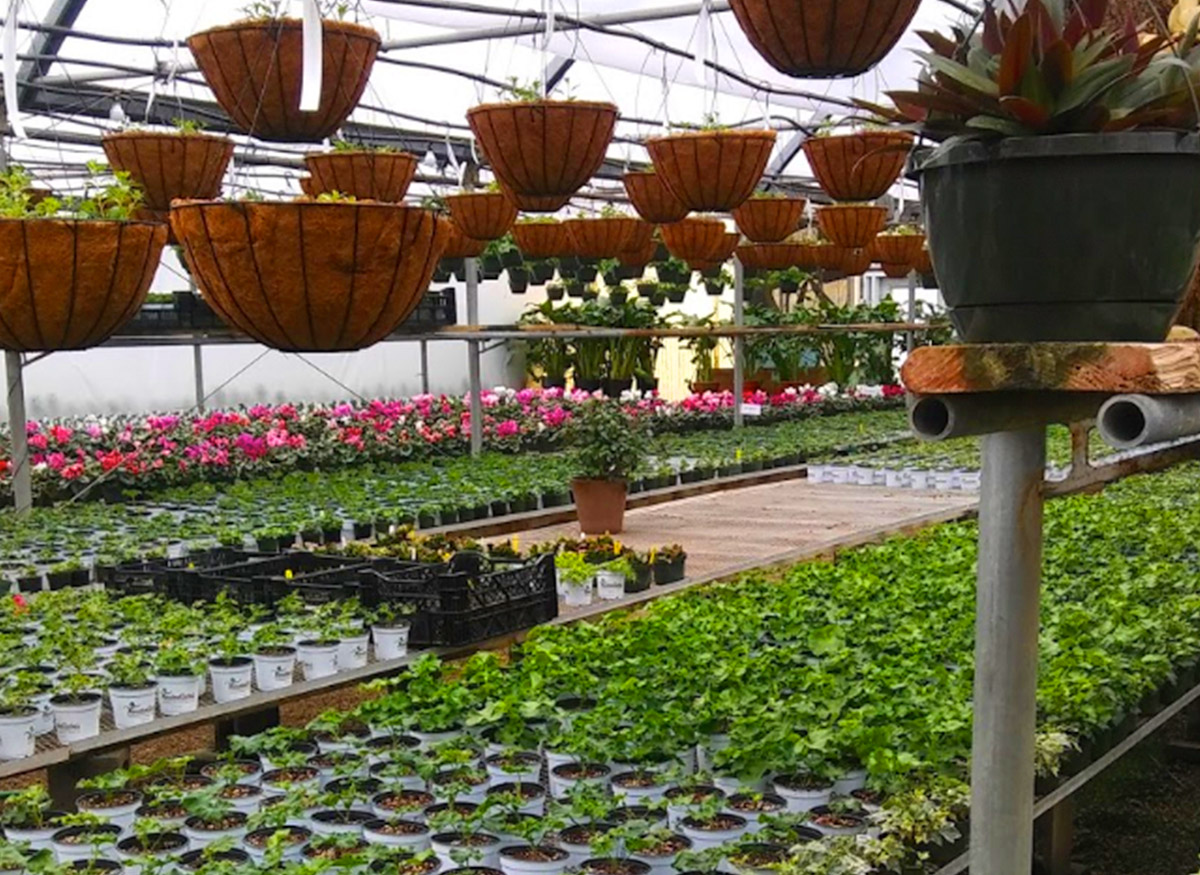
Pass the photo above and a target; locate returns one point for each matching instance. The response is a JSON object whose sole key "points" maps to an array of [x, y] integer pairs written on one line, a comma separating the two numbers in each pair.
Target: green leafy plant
{"points": [[609, 444]]}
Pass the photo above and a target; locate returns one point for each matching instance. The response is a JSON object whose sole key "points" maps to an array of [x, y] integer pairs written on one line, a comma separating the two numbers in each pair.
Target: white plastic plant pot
{"points": [[828, 823], [353, 652], [971, 481], [166, 845], [318, 659], [866, 477], [38, 838], [402, 804], [566, 776], [120, 810], [610, 585], [514, 766], [530, 860], [178, 694], [560, 586], [855, 779], [803, 792], [730, 784], [920, 479], [816, 473], [133, 706], [640, 787], [409, 834], [275, 669], [247, 798], [838, 475], [85, 843], [681, 801], [893, 479], [200, 837], [532, 794], [339, 822], [725, 827], [18, 733], [231, 679], [474, 793], [578, 595], [480, 849], [280, 782], [410, 781], [555, 758], [76, 718], [391, 642], [664, 863], [255, 843], [250, 771], [705, 750], [429, 739], [577, 851], [755, 807], [44, 724]]}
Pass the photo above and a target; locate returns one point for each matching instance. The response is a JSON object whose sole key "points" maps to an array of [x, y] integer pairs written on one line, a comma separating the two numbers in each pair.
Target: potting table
{"points": [[1009, 393]]}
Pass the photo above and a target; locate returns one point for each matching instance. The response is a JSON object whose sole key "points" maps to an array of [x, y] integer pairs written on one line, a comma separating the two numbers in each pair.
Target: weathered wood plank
{"points": [[1152, 368]]}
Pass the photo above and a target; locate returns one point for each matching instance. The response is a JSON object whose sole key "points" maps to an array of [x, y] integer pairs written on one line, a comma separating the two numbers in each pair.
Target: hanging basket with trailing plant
{"points": [[652, 199], [900, 245], [769, 219], [255, 70], [309, 276], [768, 256], [823, 39], [601, 237], [543, 151], [71, 283], [858, 167], [484, 215], [366, 174], [851, 225], [711, 170], [170, 165], [694, 239]]}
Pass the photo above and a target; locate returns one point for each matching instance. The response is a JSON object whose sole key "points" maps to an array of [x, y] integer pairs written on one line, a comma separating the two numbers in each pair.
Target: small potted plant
{"points": [[899, 244], [609, 444], [211, 818], [231, 669], [27, 818], [180, 680], [390, 625], [132, 690], [110, 798], [18, 720], [274, 657]]}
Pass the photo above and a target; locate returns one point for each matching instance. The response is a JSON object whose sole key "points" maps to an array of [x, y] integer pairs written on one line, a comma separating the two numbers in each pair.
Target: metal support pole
{"points": [[473, 355], [22, 474], [1006, 652], [739, 343], [424, 367], [911, 339], [198, 372]]}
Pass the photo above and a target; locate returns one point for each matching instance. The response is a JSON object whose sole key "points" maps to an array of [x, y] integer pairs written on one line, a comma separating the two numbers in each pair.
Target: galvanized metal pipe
{"points": [[1006, 652], [1129, 421], [474, 366], [941, 417], [739, 343], [22, 473], [198, 373]]}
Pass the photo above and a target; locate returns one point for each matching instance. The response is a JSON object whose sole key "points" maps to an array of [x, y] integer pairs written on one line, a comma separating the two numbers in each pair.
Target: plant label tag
{"points": [[751, 410]]}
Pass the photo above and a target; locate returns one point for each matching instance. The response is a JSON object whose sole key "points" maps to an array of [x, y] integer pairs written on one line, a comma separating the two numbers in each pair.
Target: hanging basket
{"points": [[694, 239], [820, 256], [770, 219], [712, 171], [652, 199], [639, 256], [642, 236], [70, 284], [858, 167], [167, 166], [851, 225], [366, 175], [541, 239], [306, 186], [543, 151], [854, 262], [311, 277], [725, 248], [459, 245], [255, 70], [602, 237], [823, 39], [484, 215], [896, 270], [924, 262], [769, 256], [898, 248]]}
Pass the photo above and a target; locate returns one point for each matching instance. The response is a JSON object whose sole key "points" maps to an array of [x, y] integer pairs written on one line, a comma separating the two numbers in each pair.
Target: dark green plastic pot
{"points": [[1075, 237]]}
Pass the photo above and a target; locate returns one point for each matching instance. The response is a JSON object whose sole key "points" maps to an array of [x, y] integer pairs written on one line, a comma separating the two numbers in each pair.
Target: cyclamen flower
{"points": [[508, 428]]}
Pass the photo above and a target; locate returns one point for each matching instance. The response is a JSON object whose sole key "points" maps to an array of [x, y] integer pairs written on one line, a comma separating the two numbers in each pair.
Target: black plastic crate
{"points": [[152, 575], [468, 599], [316, 577], [437, 309]]}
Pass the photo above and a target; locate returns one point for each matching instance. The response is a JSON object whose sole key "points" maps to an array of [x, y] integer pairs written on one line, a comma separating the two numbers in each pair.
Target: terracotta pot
{"points": [[543, 151], [484, 215], [896, 271], [652, 199], [541, 239], [769, 256], [311, 277], [854, 262], [602, 237], [694, 239], [167, 166], [459, 245], [712, 171], [851, 225], [898, 248], [823, 39], [366, 175], [254, 69], [70, 284], [639, 257], [770, 219], [600, 505], [858, 167]]}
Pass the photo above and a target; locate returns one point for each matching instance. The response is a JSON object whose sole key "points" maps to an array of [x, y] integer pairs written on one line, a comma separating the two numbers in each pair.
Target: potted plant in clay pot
{"points": [[73, 271], [543, 151], [255, 70], [378, 173], [609, 445], [858, 165], [823, 39], [165, 165], [713, 169], [482, 215], [1030, 178], [769, 217], [652, 199], [316, 276]]}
